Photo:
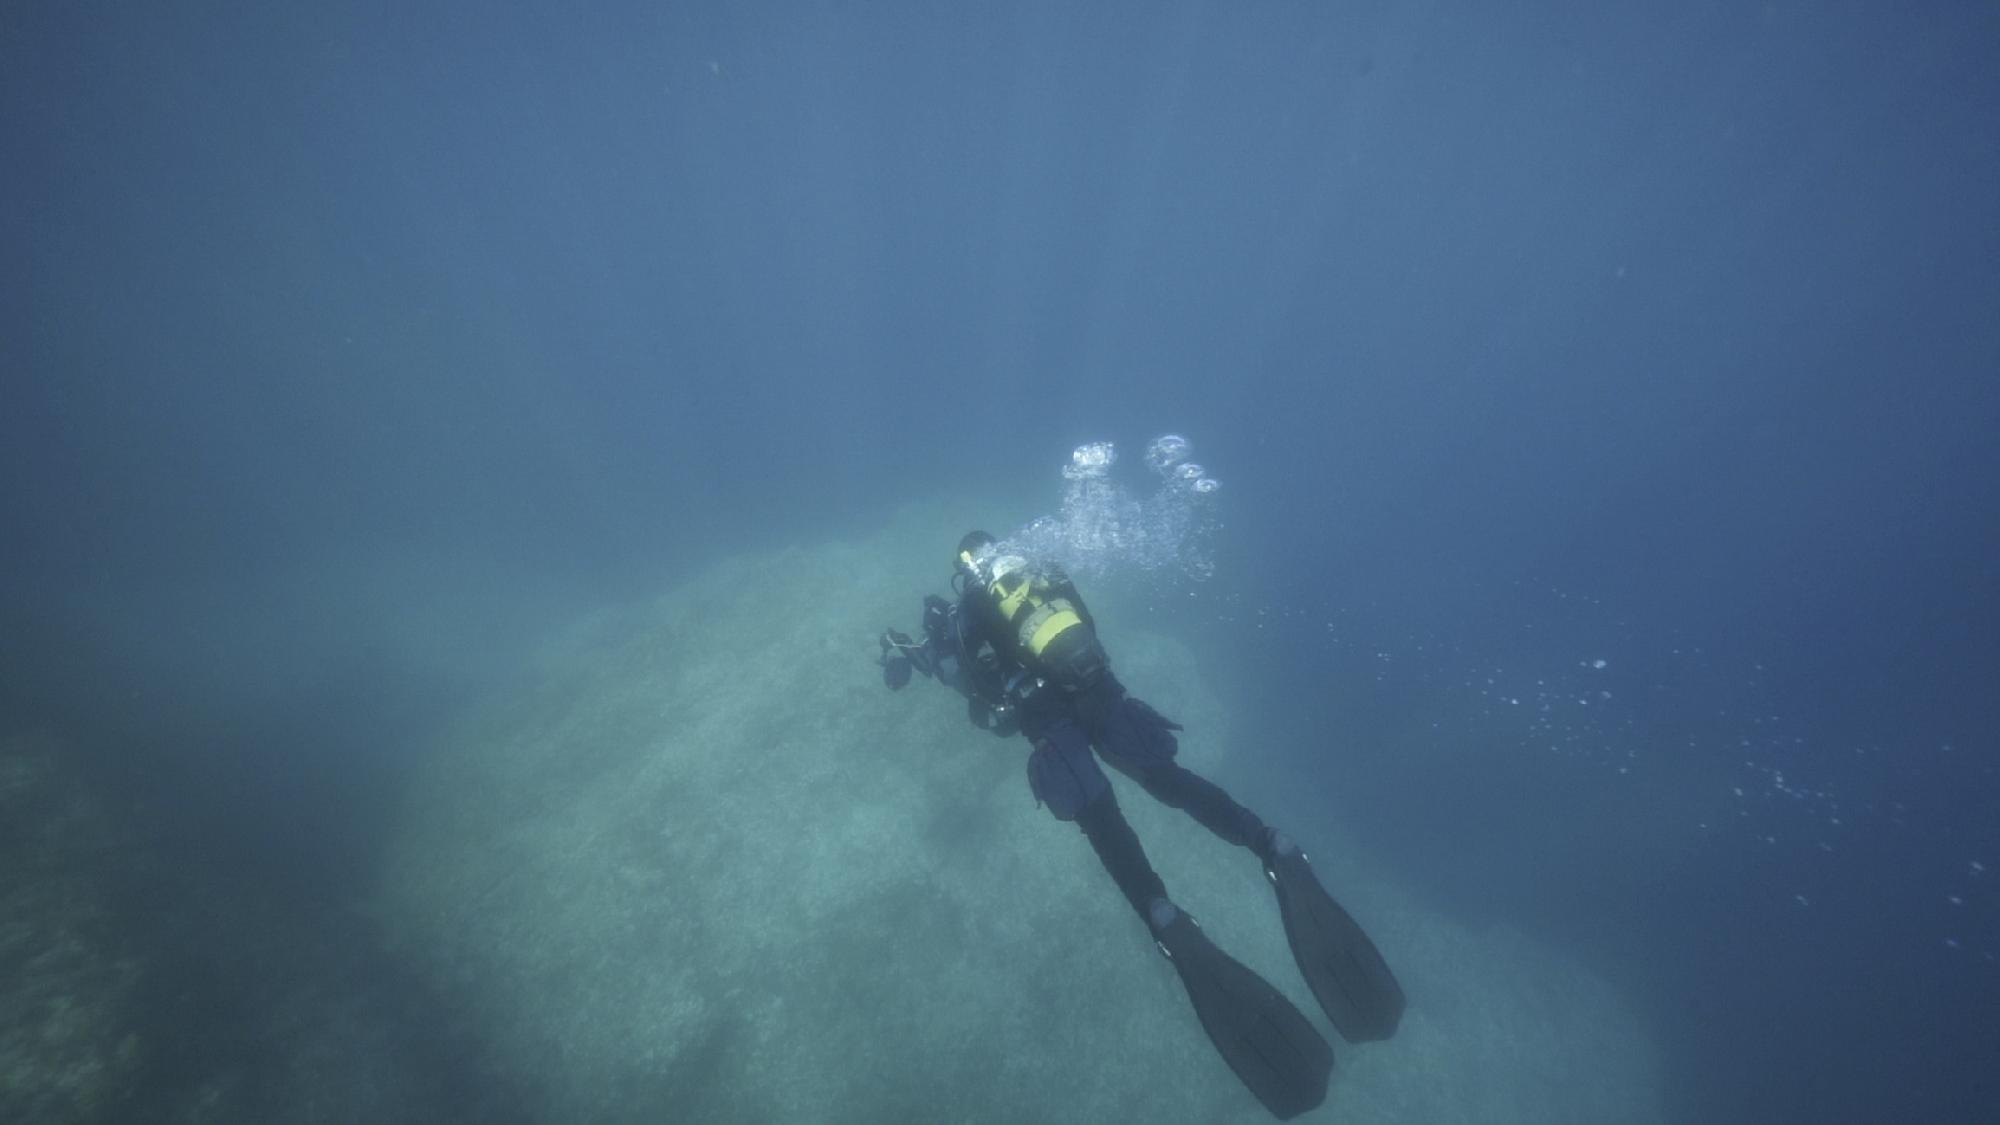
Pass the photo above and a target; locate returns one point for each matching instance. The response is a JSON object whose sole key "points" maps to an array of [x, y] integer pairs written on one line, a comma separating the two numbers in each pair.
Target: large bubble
{"points": [[1091, 462], [1106, 528], [1166, 451]]}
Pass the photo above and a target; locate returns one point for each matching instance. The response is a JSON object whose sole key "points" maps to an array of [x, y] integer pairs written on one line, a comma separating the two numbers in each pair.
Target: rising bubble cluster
{"points": [[1106, 525]]}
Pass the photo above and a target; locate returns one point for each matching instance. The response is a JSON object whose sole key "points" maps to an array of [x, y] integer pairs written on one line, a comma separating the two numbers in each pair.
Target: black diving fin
{"points": [[1267, 1041], [1353, 984]]}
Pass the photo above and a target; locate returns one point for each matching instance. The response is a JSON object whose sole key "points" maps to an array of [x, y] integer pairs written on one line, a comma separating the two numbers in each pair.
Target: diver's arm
{"points": [[983, 671], [986, 681], [983, 664]]}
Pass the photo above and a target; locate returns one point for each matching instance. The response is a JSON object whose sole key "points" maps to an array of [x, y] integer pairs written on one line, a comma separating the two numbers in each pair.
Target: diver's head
{"points": [[985, 565], [975, 551]]}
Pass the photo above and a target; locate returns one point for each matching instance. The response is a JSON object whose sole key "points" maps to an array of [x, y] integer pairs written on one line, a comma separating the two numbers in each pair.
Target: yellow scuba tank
{"points": [[1049, 632]]}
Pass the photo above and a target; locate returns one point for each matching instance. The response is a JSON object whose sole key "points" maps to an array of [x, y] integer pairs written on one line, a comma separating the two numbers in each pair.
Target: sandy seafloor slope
{"points": [[703, 866]]}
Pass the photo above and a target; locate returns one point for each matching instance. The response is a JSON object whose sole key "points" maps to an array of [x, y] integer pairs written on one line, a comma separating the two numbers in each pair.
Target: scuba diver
{"points": [[1022, 646]]}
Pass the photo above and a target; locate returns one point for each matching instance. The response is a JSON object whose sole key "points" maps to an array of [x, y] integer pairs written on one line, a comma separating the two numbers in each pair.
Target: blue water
{"points": [[344, 351]]}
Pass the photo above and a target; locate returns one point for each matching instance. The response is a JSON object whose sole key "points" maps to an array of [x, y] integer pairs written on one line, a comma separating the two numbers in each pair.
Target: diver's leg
{"points": [[1065, 777], [1178, 787], [1139, 742], [1119, 850]]}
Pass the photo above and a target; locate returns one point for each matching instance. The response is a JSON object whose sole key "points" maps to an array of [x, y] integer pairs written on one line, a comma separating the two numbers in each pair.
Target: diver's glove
{"points": [[895, 658], [937, 619]]}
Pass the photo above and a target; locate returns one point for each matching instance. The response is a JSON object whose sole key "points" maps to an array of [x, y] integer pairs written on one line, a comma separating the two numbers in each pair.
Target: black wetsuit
{"points": [[1069, 711]]}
